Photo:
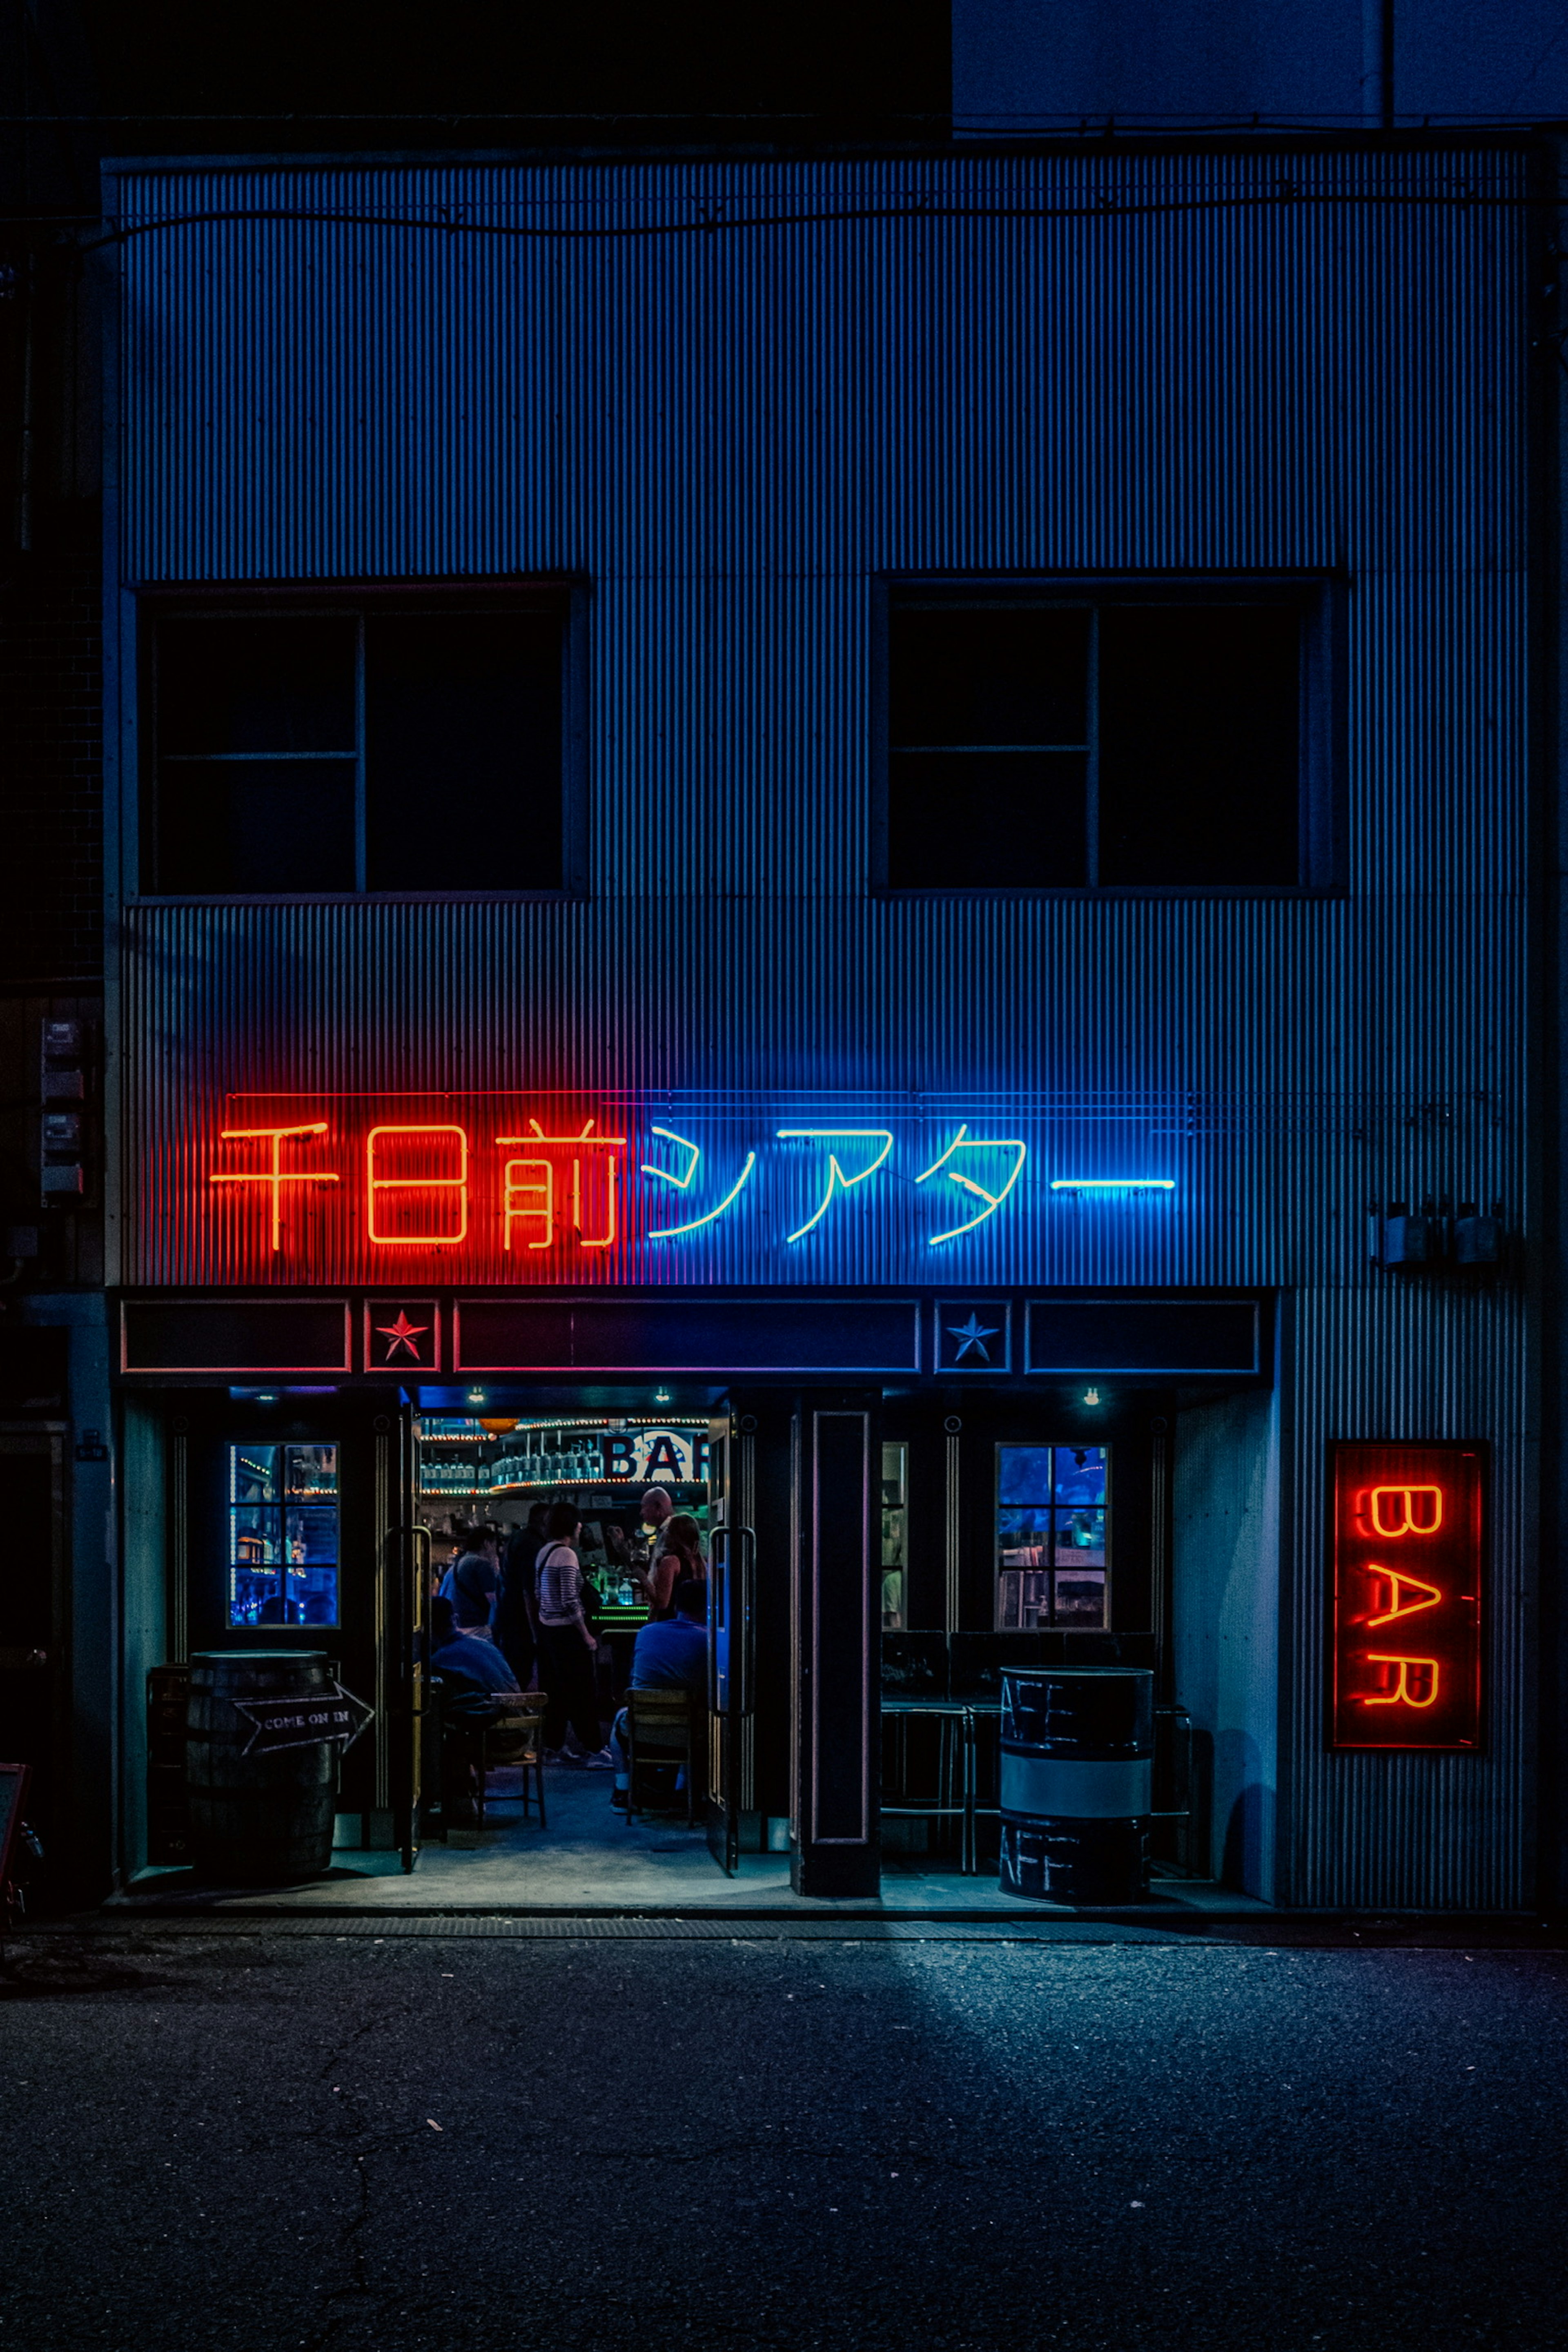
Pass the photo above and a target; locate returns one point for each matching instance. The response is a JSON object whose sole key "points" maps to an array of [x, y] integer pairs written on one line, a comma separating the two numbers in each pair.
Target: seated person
{"points": [[669, 1654], [470, 1666], [475, 1680]]}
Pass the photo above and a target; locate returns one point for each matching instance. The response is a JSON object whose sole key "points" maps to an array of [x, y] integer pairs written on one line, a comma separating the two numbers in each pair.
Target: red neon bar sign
{"points": [[488, 1192], [1408, 1526]]}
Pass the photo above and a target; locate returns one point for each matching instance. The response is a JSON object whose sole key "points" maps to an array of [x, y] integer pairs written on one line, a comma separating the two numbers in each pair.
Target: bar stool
{"points": [[515, 1734], [955, 1793], [660, 1730]]}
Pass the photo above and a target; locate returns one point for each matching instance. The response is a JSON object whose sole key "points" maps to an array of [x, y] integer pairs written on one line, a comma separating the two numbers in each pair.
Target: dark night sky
{"points": [[859, 63]]}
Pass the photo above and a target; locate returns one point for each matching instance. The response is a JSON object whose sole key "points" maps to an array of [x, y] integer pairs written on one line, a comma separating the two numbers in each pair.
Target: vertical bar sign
{"points": [[1408, 1530]]}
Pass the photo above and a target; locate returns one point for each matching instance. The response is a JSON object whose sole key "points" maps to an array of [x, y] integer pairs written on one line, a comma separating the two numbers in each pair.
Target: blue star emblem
{"points": [[974, 1335]]}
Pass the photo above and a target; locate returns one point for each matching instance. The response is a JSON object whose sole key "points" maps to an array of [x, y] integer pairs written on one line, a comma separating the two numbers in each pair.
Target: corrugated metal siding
{"points": [[1274, 1172], [1423, 1831], [730, 436]]}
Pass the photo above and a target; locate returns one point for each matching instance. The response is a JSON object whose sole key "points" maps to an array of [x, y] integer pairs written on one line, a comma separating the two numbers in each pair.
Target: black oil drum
{"points": [[1077, 1750], [257, 1819]]}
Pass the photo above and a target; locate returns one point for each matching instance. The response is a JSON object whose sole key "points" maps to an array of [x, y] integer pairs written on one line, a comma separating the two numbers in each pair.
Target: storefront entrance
{"points": [[779, 1494], [874, 1559]]}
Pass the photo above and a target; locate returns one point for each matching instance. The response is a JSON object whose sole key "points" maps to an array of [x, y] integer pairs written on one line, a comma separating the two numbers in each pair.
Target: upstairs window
{"points": [[1099, 743], [351, 746]]}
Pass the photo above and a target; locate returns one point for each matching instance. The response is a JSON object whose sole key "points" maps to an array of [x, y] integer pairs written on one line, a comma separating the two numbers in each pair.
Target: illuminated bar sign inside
{"points": [[1408, 1524]]}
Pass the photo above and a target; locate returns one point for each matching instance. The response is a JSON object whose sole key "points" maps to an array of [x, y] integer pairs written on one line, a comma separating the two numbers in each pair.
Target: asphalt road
{"points": [[437, 2139]]}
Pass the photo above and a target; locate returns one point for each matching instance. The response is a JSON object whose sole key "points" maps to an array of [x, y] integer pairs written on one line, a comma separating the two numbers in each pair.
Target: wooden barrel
{"points": [[257, 1819], [1077, 1765]]}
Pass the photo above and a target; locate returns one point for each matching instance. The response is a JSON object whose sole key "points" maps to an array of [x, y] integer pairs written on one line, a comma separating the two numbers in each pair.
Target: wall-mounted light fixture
{"points": [[1430, 1240]]}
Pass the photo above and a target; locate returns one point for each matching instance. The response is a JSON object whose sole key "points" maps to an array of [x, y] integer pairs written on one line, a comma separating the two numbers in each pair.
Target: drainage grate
{"points": [[623, 1929]]}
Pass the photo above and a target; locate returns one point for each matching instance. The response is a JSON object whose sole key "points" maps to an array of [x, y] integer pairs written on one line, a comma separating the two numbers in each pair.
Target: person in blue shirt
{"points": [[669, 1654], [475, 1680], [475, 1581], [470, 1665]]}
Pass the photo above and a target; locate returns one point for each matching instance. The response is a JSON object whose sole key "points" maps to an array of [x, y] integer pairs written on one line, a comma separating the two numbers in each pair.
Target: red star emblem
{"points": [[401, 1334]]}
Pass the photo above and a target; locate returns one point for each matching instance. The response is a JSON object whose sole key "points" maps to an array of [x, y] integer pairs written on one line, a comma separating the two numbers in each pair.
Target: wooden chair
{"points": [[515, 1734], [662, 1728]]}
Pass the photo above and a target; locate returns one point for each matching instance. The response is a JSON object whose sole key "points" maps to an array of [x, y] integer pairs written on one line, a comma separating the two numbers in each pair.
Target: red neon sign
{"points": [[274, 1175], [415, 1189], [528, 1187], [1408, 1526], [412, 1187]]}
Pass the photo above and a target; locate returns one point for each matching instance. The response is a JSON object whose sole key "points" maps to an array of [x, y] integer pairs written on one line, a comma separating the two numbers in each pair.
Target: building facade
{"points": [[885, 805]]}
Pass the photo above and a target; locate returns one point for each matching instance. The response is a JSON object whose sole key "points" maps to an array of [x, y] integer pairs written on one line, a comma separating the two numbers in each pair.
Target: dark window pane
{"points": [[1199, 744], [236, 828], [986, 821], [1001, 676], [257, 686], [463, 751], [1080, 1599]]}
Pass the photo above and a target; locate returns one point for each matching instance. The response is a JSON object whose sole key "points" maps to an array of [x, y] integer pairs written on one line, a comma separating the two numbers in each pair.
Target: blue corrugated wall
{"points": [[729, 436]]}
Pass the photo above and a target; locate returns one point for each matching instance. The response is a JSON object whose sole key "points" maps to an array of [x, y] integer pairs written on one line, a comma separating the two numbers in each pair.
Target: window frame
{"points": [[1316, 595], [1106, 1445], [282, 1443], [566, 597]]}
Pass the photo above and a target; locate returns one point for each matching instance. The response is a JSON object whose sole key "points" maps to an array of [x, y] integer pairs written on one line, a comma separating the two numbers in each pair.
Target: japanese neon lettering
{"points": [[514, 1189], [1402, 1515], [584, 1138], [277, 1175], [1113, 1183], [593, 1241], [682, 1184], [1427, 1671], [1397, 1579], [964, 1141], [837, 1180], [375, 1185]]}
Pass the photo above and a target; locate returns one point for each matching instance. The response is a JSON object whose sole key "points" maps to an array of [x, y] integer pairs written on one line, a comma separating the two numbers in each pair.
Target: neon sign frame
{"points": [[379, 1187], [1407, 1597]]}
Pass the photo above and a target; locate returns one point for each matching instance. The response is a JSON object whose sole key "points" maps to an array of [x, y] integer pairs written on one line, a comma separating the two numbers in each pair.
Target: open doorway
{"points": [[531, 1514]]}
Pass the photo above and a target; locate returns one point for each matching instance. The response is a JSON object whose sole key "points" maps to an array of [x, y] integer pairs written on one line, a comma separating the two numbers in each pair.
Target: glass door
{"points": [[731, 1650], [402, 1618]]}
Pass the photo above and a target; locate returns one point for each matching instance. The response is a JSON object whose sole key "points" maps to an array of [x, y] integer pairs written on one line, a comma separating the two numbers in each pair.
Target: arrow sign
{"points": [[327, 1717]]}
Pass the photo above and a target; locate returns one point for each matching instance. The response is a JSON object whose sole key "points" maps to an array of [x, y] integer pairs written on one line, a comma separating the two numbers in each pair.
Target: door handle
{"points": [[413, 1617], [718, 1595], [732, 1553], [746, 1599]]}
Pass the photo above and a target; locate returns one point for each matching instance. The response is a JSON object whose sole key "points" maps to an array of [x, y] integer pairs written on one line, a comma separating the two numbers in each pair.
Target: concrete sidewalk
{"points": [[590, 1860]]}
